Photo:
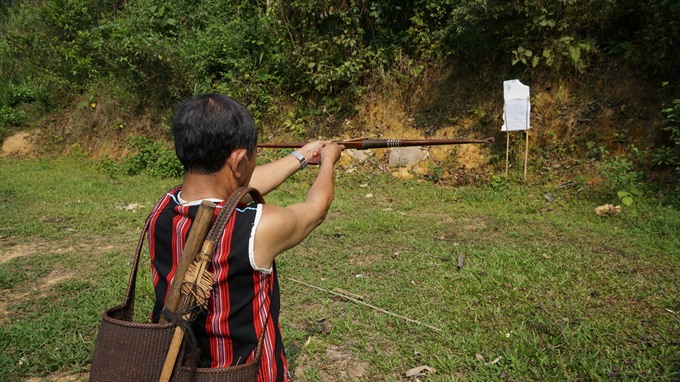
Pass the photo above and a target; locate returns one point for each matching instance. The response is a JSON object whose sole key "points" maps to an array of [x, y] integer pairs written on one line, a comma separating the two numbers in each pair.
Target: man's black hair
{"points": [[207, 128]]}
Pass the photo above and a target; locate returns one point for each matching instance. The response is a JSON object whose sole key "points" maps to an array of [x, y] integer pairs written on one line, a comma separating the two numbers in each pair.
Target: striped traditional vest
{"points": [[242, 298]]}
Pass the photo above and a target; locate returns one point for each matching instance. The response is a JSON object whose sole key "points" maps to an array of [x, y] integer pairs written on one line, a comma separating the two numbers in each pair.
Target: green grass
{"points": [[549, 290]]}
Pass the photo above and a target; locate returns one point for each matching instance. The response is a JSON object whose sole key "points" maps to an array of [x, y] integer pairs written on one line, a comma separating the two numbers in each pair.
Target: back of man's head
{"points": [[207, 128]]}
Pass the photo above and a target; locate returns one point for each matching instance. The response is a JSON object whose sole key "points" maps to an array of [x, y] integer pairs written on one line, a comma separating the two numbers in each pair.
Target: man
{"points": [[216, 139]]}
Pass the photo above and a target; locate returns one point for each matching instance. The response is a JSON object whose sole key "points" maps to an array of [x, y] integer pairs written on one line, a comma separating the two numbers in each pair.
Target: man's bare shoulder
{"points": [[274, 218]]}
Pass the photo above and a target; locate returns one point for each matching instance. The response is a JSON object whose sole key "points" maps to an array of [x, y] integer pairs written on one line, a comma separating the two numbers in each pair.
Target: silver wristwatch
{"points": [[301, 158]]}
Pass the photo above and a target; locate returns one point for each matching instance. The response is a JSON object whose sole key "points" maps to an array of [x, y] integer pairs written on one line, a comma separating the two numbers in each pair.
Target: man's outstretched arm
{"points": [[283, 228], [268, 176]]}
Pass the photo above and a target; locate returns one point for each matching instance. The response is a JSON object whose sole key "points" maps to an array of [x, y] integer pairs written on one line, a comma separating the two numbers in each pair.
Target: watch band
{"points": [[301, 158]]}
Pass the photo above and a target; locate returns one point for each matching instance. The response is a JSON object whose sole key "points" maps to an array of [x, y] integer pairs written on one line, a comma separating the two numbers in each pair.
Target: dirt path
{"points": [[10, 252]]}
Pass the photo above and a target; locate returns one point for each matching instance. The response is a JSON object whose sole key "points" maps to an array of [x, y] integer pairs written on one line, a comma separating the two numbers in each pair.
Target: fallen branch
{"points": [[365, 304], [348, 294]]}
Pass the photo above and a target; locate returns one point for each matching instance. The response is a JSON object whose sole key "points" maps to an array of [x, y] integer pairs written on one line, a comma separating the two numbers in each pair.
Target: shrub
{"points": [[620, 178], [10, 117], [671, 154], [152, 157]]}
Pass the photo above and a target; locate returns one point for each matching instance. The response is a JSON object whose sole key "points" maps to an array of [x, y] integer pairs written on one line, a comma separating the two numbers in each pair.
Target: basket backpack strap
{"points": [[128, 302], [228, 209]]}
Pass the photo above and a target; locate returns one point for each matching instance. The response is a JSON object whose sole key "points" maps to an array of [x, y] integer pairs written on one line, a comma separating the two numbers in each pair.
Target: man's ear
{"points": [[236, 162]]}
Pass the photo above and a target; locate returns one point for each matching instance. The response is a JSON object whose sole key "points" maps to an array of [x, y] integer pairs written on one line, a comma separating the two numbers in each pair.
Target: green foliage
{"points": [[13, 95], [240, 56], [672, 115], [150, 157], [627, 198], [316, 54], [668, 155], [502, 182], [167, 165], [551, 29], [665, 157], [619, 176], [331, 45], [111, 167], [10, 117], [634, 29], [531, 33], [619, 173], [13, 99], [434, 173], [140, 50]]}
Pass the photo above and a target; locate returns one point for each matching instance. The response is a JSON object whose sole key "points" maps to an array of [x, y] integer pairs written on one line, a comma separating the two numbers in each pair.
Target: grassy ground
{"points": [[548, 290]]}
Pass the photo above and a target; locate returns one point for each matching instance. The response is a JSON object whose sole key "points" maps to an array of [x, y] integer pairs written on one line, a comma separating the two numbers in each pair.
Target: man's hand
{"points": [[312, 151], [331, 152]]}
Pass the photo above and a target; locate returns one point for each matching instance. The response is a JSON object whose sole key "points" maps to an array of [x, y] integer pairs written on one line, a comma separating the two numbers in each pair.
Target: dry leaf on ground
{"points": [[419, 371]]}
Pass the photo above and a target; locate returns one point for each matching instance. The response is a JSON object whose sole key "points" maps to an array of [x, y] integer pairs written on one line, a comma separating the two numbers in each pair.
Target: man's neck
{"points": [[198, 186]]}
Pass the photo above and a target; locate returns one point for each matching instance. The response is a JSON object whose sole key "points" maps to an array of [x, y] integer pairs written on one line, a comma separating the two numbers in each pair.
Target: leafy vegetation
{"points": [[304, 67], [307, 68], [670, 155], [263, 52], [150, 157]]}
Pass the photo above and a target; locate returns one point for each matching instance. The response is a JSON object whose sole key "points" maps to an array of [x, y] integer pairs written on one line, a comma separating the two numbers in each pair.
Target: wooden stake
{"points": [[526, 149], [526, 155], [507, 153]]}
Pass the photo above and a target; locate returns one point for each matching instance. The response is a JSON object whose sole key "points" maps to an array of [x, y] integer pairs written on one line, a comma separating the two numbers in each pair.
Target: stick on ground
{"points": [[365, 304]]}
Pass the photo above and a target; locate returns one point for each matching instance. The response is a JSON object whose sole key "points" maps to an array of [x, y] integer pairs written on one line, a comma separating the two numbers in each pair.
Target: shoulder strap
{"points": [[228, 210], [130, 293], [214, 234]]}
